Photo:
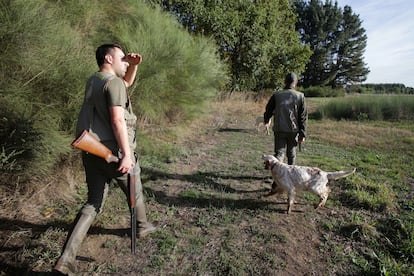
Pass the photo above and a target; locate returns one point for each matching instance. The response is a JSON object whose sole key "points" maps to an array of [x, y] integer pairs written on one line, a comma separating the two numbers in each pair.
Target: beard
{"points": [[121, 73]]}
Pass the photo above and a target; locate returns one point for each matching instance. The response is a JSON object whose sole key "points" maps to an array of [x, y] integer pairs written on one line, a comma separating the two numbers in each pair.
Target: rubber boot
{"points": [[66, 263], [144, 227]]}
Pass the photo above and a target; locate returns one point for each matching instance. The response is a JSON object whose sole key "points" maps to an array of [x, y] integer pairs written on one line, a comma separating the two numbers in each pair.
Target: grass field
{"points": [[212, 216]]}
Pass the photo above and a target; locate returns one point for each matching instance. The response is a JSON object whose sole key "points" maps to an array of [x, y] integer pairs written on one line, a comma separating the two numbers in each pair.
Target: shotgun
{"points": [[88, 143], [132, 203]]}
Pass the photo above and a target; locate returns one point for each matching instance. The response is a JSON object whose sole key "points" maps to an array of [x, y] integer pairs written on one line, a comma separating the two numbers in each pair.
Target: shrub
{"points": [[28, 146], [323, 91], [369, 108], [47, 51]]}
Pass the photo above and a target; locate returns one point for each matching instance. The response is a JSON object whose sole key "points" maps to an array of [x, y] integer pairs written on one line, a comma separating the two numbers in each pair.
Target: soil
{"points": [[211, 221]]}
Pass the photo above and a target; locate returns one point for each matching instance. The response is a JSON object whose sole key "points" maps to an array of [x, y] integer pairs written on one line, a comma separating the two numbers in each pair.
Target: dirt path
{"points": [[210, 203], [211, 213]]}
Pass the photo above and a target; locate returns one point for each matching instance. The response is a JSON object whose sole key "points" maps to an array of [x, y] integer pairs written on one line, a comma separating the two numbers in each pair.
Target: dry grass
{"points": [[213, 219], [217, 112], [356, 134]]}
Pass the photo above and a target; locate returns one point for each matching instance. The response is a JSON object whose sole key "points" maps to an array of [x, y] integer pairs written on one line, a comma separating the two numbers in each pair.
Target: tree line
{"points": [[262, 40], [382, 88]]}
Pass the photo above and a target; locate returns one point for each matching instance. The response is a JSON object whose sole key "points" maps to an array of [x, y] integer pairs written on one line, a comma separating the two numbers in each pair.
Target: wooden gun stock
{"points": [[90, 144]]}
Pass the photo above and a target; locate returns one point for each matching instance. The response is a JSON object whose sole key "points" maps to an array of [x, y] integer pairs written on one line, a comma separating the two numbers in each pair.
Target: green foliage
{"points": [[381, 243], [381, 88], [372, 195], [257, 39], [323, 91], [47, 49], [44, 250], [166, 244], [369, 108], [401, 236], [28, 146], [158, 148], [337, 41], [8, 160], [179, 73], [349, 64], [37, 84], [390, 242], [43, 58]]}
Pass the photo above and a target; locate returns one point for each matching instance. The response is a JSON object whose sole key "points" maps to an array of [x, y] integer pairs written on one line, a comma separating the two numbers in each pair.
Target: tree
{"points": [[337, 40], [350, 66], [316, 25], [257, 39]]}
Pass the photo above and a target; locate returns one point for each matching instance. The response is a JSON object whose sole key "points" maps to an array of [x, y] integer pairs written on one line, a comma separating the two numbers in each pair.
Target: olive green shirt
{"points": [[102, 91]]}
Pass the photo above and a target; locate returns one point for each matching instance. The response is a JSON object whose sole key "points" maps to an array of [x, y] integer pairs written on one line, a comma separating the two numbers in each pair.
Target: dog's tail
{"points": [[339, 174]]}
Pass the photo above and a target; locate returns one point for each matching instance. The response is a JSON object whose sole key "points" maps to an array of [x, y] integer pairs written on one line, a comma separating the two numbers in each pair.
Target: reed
{"points": [[369, 107]]}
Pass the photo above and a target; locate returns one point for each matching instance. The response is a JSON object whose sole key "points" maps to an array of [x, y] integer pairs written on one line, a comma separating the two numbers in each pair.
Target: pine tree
{"points": [[350, 66], [337, 40]]}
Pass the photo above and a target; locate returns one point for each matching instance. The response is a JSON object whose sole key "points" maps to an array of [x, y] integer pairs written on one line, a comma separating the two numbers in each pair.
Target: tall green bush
{"points": [[47, 52], [179, 73], [36, 50]]}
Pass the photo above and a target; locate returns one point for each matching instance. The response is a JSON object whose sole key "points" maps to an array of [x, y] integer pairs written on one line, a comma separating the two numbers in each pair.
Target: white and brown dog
{"points": [[260, 122], [291, 178]]}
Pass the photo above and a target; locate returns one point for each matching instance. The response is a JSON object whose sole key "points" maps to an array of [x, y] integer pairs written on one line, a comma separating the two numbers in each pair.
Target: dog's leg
{"points": [[275, 190], [322, 201], [291, 201], [323, 197]]}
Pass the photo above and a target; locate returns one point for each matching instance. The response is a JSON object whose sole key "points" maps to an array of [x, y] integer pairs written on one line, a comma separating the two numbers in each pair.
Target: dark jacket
{"points": [[289, 110]]}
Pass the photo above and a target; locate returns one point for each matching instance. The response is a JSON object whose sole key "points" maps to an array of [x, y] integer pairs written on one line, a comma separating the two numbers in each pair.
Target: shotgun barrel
{"points": [[132, 203]]}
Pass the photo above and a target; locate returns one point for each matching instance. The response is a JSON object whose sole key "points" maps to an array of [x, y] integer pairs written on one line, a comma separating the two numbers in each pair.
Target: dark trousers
{"points": [[99, 174], [286, 142]]}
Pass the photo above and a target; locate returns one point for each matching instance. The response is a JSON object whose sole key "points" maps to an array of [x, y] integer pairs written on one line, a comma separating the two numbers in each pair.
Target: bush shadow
{"points": [[210, 180]]}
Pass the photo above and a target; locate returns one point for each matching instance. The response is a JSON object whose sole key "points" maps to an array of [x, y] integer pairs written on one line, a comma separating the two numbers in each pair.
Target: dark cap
{"points": [[291, 78]]}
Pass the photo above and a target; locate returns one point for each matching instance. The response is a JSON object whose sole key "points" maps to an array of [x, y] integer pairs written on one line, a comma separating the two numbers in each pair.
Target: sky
{"points": [[389, 26]]}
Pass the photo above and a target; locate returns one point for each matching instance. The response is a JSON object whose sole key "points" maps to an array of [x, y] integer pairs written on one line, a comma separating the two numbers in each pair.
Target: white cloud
{"points": [[389, 26]]}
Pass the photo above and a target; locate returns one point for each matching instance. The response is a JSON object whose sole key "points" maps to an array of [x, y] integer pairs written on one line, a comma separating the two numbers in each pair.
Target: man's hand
{"points": [[125, 165], [134, 59], [301, 139]]}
